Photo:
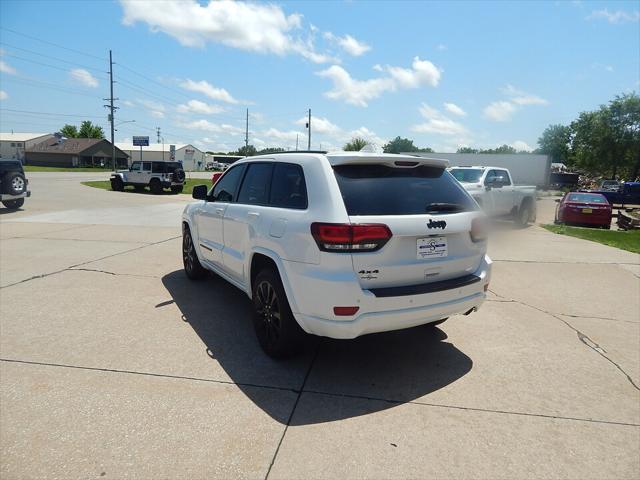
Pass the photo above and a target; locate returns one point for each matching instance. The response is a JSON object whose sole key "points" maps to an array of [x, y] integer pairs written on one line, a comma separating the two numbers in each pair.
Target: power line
{"points": [[38, 83], [51, 43], [27, 112], [37, 62], [52, 57]]}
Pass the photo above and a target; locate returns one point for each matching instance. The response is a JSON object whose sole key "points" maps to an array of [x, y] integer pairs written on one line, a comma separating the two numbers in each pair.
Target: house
{"points": [[74, 152], [191, 157], [13, 145]]}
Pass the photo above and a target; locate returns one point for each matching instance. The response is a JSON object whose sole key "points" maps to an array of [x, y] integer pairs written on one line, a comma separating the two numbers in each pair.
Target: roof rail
{"points": [[296, 151]]}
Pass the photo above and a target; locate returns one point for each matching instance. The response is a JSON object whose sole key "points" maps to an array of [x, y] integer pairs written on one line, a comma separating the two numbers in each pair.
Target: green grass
{"points": [[629, 240], [188, 186], [35, 168]]}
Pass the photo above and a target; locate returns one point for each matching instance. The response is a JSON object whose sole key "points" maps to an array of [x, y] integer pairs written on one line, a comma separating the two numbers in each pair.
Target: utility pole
{"points": [[246, 134], [296, 142], [158, 133], [112, 110], [309, 126]]}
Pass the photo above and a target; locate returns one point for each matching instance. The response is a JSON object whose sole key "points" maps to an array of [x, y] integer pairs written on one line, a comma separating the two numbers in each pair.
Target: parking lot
{"points": [[115, 365]]}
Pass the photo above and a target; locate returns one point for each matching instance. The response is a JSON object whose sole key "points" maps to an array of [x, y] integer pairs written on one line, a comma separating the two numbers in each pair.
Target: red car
{"points": [[586, 209], [215, 177]]}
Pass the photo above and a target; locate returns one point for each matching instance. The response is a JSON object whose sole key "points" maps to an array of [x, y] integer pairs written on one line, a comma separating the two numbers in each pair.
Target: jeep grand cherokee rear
{"points": [[341, 244]]}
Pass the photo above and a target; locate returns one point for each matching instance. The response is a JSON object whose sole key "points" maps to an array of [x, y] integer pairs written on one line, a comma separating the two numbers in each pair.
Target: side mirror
{"points": [[558, 200], [199, 192]]}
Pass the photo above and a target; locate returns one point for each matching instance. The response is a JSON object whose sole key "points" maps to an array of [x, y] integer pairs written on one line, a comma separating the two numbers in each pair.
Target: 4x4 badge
{"points": [[439, 224]]}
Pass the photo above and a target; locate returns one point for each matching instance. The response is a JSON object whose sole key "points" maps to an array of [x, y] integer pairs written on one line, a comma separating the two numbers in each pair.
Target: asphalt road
{"points": [[114, 365]]}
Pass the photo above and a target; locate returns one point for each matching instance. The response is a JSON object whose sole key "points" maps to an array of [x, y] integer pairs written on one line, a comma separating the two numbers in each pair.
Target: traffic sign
{"points": [[140, 141]]}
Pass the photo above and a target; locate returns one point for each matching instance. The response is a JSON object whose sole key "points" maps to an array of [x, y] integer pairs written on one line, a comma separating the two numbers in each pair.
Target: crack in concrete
{"points": [[75, 267], [78, 240], [301, 390], [581, 336], [110, 273]]}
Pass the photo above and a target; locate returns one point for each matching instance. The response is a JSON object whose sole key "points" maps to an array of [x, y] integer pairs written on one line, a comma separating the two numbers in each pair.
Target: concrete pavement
{"points": [[114, 365]]}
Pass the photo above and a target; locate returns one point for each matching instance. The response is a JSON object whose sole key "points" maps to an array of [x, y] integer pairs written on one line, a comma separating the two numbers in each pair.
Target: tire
{"points": [[179, 175], [277, 330], [176, 189], [192, 266], [13, 204], [155, 186], [522, 215], [117, 185], [15, 183]]}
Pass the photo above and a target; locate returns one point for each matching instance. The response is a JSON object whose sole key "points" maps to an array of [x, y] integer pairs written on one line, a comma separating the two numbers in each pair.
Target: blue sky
{"points": [[445, 74]]}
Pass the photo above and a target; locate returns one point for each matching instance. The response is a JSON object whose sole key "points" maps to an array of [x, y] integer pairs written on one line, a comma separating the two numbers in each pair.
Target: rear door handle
{"points": [[219, 211], [253, 214]]}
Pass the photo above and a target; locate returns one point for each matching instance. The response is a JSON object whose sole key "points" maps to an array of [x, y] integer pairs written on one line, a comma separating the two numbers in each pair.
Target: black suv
{"points": [[13, 184]]}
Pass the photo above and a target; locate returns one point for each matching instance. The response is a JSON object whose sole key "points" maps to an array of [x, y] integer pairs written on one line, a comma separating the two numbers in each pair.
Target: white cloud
{"points": [[207, 126], [500, 111], [522, 98], [6, 68], [368, 135], [254, 27], [422, 72], [83, 77], [522, 146], [438, 123], [320, 125], [196, 106], [3, 95], [275, 136], [348, 43], [208, 90], [455, 109], [127, 103], [155, 109], [360, 92], [619, 16], [503, 110], [441, 47], [157, 114]]}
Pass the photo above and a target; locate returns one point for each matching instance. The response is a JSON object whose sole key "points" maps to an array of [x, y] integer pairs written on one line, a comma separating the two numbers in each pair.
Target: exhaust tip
{"points": [[471, 310]]}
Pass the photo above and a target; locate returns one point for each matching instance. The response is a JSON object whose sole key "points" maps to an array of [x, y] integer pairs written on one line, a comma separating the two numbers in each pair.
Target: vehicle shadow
{"points": [[393, 367], [4, 210]]}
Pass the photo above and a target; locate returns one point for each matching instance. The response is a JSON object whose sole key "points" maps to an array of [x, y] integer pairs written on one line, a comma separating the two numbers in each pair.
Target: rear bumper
{"points": [[5, 196], [378, 314], [586, 218]]}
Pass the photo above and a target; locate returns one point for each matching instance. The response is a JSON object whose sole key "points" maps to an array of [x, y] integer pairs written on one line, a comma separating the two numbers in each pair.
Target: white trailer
{"points": [[527, 168]]}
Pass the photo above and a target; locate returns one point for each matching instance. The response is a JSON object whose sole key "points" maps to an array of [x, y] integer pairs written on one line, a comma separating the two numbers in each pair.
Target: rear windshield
{"points": [[586, 198], [467, 175], [383, 190]]}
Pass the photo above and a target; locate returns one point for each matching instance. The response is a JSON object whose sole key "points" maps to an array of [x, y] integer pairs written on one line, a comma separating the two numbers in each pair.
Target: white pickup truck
{"points": [[494, 191]]}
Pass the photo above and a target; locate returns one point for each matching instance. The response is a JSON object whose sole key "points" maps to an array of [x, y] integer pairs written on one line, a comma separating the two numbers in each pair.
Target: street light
{"points": [[126, 121]]}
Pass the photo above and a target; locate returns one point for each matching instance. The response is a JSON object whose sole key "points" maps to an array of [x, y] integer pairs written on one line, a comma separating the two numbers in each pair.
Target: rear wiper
{"points": [[444, 207]]}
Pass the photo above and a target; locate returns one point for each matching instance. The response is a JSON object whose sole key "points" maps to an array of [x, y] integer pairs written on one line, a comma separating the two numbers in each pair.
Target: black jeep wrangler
{"points": [[13, 184]]}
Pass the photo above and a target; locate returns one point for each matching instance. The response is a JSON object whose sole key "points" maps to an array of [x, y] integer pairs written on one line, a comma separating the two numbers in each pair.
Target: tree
{"points": [[87, 130], [607, 141], [399, 145], [355, 145], [268, 150], [247, 151], [69, 131], [467, 150], [555, 142], [501, 149]]}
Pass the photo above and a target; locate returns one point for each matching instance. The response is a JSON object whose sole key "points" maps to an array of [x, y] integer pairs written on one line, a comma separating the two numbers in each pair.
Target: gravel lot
{"points": [[114, 365]]}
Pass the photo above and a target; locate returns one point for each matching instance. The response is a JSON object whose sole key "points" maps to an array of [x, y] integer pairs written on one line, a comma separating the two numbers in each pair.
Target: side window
{"points": [[505, 177], [288, 189], [156, 167], [146, 166], [490, 178], [135, 166], [225, 189], [256, 184]]}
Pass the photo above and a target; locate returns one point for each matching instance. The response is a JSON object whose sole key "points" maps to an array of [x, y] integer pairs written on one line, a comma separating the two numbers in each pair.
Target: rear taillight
{"points": [[347, 237], [479, 229]]}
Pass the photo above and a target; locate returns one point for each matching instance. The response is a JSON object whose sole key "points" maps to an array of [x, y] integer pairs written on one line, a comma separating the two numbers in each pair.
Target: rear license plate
{"points": [[432, 247], [587, 210]]}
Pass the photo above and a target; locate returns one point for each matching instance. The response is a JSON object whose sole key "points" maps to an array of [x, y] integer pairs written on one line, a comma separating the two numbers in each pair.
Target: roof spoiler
{"points": [[392, 160]]}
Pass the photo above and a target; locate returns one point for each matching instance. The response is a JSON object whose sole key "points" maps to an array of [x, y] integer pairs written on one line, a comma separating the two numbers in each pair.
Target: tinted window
{"points": [[225, 189], [288, 189], [468, 175], [383, 190], [146, 166], [255, 186]]}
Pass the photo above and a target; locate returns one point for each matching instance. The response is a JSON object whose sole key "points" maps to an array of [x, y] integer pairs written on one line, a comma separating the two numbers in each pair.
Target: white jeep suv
{"points": [[157, 175], [340, 244]]}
